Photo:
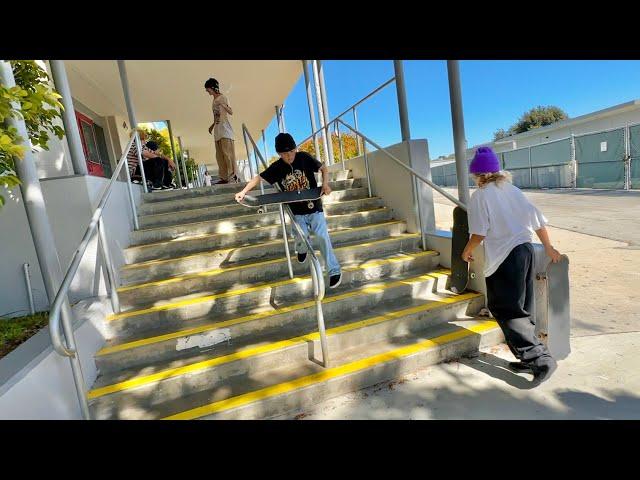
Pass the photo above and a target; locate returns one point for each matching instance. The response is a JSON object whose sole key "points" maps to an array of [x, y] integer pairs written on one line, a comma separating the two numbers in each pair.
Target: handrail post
{"points": [[136, 226], [179, 158], [113, 284], [325, 108], [140, 160], [32, 308], [366, 166], [423, 236], [340, 144], [316, 275], [261, 182], [285, 237], [312, 115], [174, 152], [246, 146], [460, 142], [324, 127], [184, 169], [355, 124]]}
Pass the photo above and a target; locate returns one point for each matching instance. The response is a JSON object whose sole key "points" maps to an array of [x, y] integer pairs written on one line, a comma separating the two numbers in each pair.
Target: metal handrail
{"points": [[94, 224], [352, 107], [416, 177], [314, 265], [409, 169]]}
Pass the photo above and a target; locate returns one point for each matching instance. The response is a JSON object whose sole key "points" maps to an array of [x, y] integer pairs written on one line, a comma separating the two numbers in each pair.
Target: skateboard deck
{"points": [[459, 279], [551, 306], [308, 196]]}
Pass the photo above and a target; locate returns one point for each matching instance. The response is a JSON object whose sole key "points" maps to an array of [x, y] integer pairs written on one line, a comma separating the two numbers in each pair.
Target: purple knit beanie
{"points": [[484, 161]]}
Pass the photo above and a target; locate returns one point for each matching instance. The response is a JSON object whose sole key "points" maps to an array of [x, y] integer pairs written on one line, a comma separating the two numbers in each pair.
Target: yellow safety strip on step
{"points": [[193, 301], [330, 373], [245, 247], [219, 271], [239, 217], [212, 235], [254, 351], [244, 217], [214, 326]]}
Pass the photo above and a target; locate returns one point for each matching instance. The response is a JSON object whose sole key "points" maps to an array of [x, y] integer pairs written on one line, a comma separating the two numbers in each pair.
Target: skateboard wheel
{"points": [[261, 210], [472, 275]]}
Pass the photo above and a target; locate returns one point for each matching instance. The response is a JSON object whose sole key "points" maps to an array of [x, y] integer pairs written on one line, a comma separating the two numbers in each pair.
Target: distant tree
{"points": [[535, 118], [349, 146], [159, 138], [539, 117], [501, 133]]}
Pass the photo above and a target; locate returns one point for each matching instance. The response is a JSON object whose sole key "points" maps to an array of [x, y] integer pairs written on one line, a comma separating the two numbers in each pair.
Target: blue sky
{"points": [[495, 94]]}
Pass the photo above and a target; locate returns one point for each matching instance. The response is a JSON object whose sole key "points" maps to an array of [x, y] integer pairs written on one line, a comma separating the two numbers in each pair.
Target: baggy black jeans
{"points": [[510, 299]]}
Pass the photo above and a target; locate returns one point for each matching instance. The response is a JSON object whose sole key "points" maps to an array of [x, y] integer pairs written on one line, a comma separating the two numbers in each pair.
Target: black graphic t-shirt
{"points": [[297, 176]]}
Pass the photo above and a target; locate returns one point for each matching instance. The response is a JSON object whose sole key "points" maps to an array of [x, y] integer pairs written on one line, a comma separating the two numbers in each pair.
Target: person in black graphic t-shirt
{"points": [[294, 171]]}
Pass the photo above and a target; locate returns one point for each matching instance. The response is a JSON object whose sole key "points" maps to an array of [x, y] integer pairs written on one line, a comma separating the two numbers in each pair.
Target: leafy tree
{"points": [[535, 118], [39, 107], [349, 146], [501, 133], [158, 137]]}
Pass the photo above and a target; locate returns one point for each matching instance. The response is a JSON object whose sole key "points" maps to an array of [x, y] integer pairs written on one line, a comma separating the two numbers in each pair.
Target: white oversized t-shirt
{"points": [[503, 215], [222, 126]]}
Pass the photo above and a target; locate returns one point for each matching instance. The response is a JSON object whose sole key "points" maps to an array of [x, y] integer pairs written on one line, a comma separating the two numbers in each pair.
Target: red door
{"points": [[90, 145]]}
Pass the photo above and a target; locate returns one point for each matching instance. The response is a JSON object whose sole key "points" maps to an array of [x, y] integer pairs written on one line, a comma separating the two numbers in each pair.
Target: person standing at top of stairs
{"points": [[502, 217], [294, 171], [222, 133]]}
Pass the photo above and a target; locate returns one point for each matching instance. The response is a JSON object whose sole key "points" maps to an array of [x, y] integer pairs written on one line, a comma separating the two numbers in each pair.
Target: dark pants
{"points": [[156, 170], [510, 300], [167, 176]]}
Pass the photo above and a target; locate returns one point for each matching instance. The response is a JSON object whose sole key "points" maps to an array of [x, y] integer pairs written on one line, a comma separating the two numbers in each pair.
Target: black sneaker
{"points": [[543, 372], [302, 257], [335, 280], [221, 182], [156, 187]]}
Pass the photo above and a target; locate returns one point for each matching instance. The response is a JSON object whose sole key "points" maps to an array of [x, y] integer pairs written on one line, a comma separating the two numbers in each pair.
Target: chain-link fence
{"points": [[518, 162], [607, 159], [634, 153], [446, 176], [600, 159]]}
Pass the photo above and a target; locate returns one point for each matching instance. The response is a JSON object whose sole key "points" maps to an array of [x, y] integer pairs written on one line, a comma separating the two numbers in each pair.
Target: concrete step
{"points": [[177, 313], [235, 224], [204, 243], [158, 269], [300, 382], [344, 201], [225, 198], [226, 191], [246, 274], [163, 344], [286, 344]]}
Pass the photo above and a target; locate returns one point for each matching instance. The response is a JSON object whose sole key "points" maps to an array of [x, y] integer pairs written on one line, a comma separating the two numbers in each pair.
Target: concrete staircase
{"points": [[213, 327]]}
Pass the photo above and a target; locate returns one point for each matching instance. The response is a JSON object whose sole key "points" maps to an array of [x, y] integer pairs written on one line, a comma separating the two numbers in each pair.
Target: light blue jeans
{"points": [[316, 223]]}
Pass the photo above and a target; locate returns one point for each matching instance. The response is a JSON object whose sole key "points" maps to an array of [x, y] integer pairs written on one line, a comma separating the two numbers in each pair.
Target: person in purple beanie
{"points": [[504, 219]]}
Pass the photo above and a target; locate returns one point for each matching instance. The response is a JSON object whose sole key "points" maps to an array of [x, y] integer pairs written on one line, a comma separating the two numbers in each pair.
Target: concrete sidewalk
{"points": [[599, 380], [600, 233]]}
